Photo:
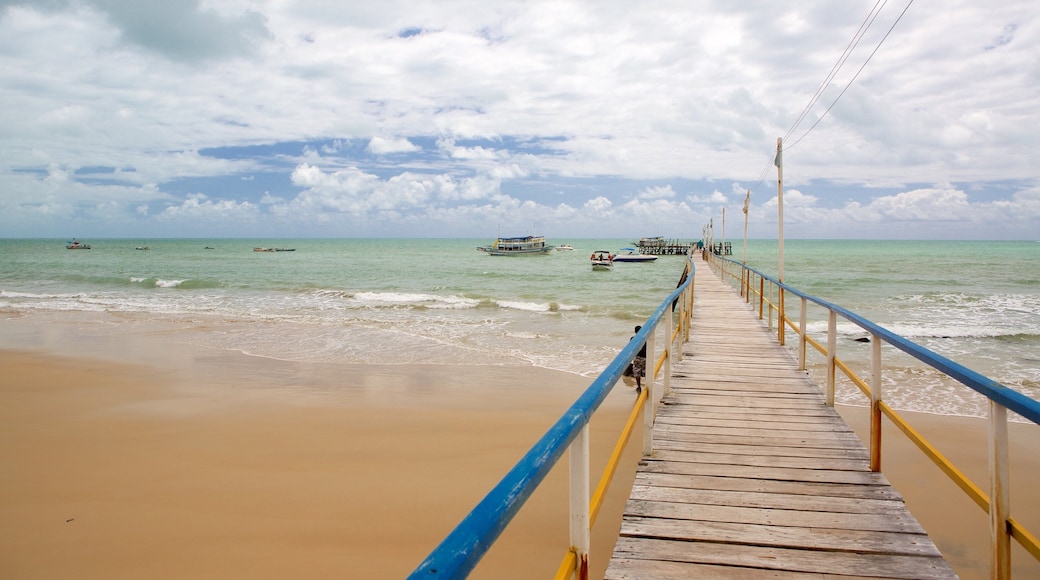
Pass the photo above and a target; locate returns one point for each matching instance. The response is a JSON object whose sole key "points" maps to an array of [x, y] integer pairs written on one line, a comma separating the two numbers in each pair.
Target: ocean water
{"points": [[977, 303], [440, 301]]}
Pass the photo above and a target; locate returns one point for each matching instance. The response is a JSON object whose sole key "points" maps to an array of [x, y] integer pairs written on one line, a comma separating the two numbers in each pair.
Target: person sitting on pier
{"points": [[638, 367]]}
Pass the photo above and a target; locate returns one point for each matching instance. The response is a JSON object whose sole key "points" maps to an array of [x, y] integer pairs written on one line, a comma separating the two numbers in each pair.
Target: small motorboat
{"points": [[632, 255], [142, 248], [565, 247], [602, 260], [75, 244]]}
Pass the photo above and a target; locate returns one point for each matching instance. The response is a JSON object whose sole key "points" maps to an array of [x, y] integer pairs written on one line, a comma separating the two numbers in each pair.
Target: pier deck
{"points": [[753, 475]]}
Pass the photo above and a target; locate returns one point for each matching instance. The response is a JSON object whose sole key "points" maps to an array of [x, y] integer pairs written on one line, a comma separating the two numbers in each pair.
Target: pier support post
{"points": [[875, 403], [999, 490], [579, 501]]}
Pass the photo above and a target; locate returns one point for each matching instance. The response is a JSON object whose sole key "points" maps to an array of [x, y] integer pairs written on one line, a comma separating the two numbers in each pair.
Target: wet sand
{"points": [[224, 465]]}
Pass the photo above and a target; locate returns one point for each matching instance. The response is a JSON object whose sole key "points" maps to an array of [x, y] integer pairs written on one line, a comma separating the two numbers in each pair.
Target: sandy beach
{"points": [[217, 464], [122, 471]]}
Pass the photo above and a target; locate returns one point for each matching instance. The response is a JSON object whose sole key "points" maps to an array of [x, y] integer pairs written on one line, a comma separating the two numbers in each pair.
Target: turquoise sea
{"points": [[440, 301]]}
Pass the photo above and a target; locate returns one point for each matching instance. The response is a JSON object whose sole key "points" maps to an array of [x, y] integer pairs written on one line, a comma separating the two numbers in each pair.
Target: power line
{"points": [[868, 21], [849, 84], [866, 24]]}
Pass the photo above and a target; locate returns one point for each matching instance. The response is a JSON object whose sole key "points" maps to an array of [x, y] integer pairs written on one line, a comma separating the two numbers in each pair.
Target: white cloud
{"points": [[411, 110], [382, 146]]}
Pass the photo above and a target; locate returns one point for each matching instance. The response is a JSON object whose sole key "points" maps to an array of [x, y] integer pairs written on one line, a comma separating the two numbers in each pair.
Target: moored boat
{"points": [[631, 255], [527, 245], [602, 260], [564, 248]]}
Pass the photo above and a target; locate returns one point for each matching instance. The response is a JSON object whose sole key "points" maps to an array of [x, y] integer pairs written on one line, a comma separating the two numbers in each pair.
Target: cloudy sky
{"points": [[470, 118]]}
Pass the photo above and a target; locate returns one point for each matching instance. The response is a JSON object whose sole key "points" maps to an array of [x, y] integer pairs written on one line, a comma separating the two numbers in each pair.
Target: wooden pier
{"points": [[663, 247], [754, 476]]}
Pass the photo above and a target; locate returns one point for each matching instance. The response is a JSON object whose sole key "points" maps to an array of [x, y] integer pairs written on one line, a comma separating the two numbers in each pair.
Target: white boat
{"points": [[632, 255], [564, 248], [525, 246], [75, 244], [602, 260]]}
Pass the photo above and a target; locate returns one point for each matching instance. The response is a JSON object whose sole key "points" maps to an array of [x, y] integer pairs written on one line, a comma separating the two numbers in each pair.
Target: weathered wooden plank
{"points": [[824, 504], [688, 414], [876, 522], [750, 402], [807, 463], [858, 541], [678, 443], [813, 489], [632, 553], [762, 433], [821, 475], [708, 435], [763, 425]]}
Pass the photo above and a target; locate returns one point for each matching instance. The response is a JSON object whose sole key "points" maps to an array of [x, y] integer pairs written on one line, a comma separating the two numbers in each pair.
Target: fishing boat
{"points": [[525, 246], [75, 244], [602, 260], [261, 249], [632, 255], [285, 249]]}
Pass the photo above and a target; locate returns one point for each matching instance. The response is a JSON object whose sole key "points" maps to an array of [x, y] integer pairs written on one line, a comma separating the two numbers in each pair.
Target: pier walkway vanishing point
{"points": [[753, 475]]}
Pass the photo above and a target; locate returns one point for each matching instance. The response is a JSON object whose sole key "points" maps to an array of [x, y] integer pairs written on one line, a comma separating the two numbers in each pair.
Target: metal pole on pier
{"points": [[780, 217], [747, 202], [780, 199]]}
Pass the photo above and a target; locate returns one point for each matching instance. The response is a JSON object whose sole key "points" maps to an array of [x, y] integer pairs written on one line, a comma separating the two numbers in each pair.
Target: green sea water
{"points": [[440, 301]]}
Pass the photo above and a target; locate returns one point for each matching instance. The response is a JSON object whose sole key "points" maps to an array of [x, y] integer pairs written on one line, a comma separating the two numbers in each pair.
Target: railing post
{"points": [[771, 301], [648, 403], [668, 350], [781, 317], [832, 346], [999, 489], [579, 500], [875, 403], [761, 295], [802, 334]]}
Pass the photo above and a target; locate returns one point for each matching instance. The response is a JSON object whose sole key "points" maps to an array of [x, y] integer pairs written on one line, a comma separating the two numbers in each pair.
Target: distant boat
{"points": [[75, 244], [142, 248], [631, 255], [259, 249], [209, 248], [525, 246], [285, 249], [602, 260], [564, 248]]}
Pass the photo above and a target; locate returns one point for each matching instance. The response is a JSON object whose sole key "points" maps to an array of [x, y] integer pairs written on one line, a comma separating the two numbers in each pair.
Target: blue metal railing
{"points": [[1006, 396], [463, 548]]}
